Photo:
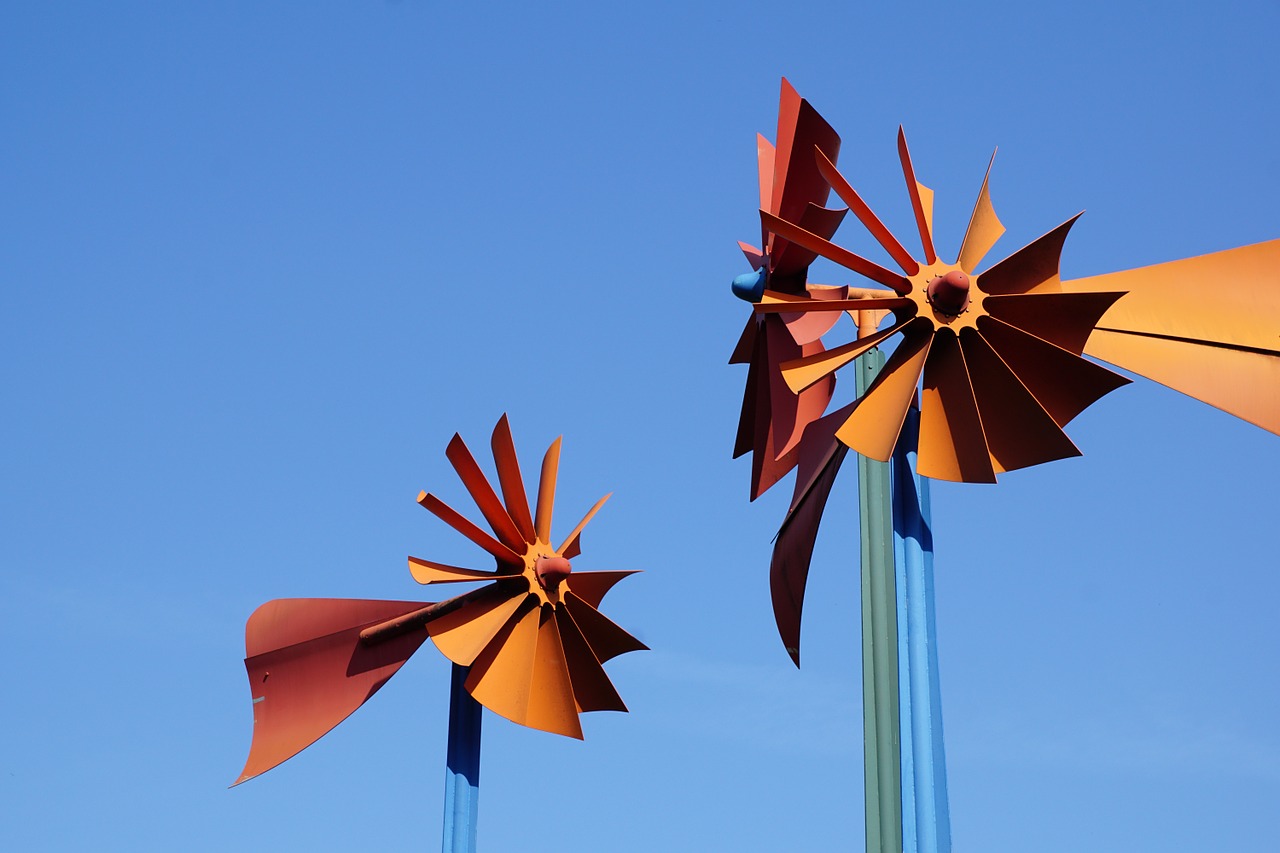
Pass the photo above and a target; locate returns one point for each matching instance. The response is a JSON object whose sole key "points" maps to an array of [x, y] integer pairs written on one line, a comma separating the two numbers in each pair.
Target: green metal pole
{"points": [[880, 725]]}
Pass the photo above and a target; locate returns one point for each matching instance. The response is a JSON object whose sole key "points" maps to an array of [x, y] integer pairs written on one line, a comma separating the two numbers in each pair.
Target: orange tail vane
{"points": [[1206, 326], [533, 634]]}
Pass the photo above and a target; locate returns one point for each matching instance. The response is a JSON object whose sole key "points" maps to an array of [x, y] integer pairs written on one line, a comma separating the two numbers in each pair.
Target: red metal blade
{"points": [[606, 639], [592, 586], [572, 547], [483, 494], [308, 669], [866, 216], [547, 492], [513, 493], [1063, 319], [454, 519], [592, 689], [921, 200], [832, 252], [1031, 269]]}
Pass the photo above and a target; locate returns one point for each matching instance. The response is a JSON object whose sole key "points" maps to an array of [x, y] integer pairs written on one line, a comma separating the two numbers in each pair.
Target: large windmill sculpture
{"points": [[988, 369], [528, 645]]}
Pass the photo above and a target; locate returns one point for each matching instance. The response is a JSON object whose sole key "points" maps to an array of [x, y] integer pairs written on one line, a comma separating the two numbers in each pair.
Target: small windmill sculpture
{"points": [[528, 645], [989, 367]]}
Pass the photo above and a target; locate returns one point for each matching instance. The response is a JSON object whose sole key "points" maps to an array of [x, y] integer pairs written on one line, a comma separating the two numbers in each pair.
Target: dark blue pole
{"points": [[462, 776]]}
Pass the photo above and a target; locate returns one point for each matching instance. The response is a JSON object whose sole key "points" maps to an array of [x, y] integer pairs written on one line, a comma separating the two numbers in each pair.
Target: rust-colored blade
{"points": [[463, 634], [308, 669], [800, 373], [866, 216], [459, 455], [755, 257], [592, 689], [984, 228], [832, 252], [790, 263], [807, 327], [606, 639], [426, 571], [502, 673], [820, 458], [872, 427], [921, 200], [1064, 319], [1205, 326], [1063, 383], [825, 306], [952, 444], [451, 517], [1019, 432], [765, 165], [750, 414], [513, 493], [552, 707], [796, 180], [572, 547], [1031, 269], [746, 344], [547, 492], [592, 586]]}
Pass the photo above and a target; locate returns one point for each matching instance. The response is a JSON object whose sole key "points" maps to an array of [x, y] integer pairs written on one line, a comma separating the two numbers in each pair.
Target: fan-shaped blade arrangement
{"points": [[533, 638]]}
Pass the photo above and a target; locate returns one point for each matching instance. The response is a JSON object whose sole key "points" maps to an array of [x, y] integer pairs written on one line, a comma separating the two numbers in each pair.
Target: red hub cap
{"points": [[949, 294]]}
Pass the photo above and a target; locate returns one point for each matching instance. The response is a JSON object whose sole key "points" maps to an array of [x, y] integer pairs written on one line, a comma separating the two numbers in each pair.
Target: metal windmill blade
{"points": [[533, 636], [773, 418]]}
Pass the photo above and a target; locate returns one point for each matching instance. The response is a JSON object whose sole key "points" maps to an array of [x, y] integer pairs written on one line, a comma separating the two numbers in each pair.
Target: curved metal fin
{"points": [[463, 634], [426, 571], [921, 200], [454, 519], [835, 253], [572, 547], [592, 689], [592, 586], [547, 492], [866, 216], [800, 373], [1019, 432], [984, 228], [459, 455], [1063, 319], [502, 673], [513, 492], [952, 443], [872, 427], [1031, 269], [606, 639], [1063, 383], [552, 707]]}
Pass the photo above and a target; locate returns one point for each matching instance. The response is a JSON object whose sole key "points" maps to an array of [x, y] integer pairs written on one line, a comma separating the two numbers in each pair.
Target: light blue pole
{"points": [[462, 776], [926, 816]]}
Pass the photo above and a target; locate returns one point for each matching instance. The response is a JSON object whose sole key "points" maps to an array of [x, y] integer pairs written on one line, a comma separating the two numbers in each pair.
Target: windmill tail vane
{"points": [[533, 636]]}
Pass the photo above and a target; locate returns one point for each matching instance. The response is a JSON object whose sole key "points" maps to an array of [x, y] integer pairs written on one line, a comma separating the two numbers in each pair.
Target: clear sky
{"points": [[261, 260]]}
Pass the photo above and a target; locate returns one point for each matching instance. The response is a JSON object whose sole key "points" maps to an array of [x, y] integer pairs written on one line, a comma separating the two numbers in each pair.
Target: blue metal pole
{"points": [[926, 815], [462, 776]]}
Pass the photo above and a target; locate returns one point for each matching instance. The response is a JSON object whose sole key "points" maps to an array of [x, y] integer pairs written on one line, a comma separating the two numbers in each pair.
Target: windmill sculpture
{"points": [[987, 371], [527, 645]]}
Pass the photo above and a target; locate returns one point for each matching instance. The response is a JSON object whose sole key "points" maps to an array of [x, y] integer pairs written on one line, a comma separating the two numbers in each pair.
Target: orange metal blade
{"points": [[572, 547], [800, 373], [425, 571], [463, 634], [866, 216], [502, 673], [1064, 319], [592, 689], [451, 517], [592, 586], [1063, 383], [921, 200], [952, 443], [459, 455], [308, 669], [1019, 432], [1242, 382], [984, 228], [513, 493], [832, 252], [872, 427], [547, 492], [552, 707], [606, 639], [1031, 269]]}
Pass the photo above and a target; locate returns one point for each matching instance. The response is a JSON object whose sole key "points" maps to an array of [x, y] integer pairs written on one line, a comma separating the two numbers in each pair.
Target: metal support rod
{"points": [[462, 774], [925, 809], [882, 772]]}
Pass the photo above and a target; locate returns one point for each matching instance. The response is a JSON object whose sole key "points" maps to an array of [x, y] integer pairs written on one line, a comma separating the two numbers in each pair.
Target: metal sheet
{"points": [[454, 519], [984, 228], [1064, 319], [952, 443], [572, 547], [592, 689], [872, 428], [801, 373], [462, 635], [547, 492], [552, 707], [514, 496], [606, 639], [832, 252], [921, 200], [866, 216], [477, 485], [1031, 269]]}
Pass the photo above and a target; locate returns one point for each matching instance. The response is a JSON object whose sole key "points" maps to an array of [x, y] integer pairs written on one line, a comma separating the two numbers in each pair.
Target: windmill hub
{"points": [[949, 294], [551, 571]]}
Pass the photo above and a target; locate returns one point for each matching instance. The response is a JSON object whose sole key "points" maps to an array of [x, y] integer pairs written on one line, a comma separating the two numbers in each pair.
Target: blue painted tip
{"points": [[749, 286]]}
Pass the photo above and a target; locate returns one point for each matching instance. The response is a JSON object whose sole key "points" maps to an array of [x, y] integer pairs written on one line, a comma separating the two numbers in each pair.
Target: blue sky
{"points": [[261, 261]]}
